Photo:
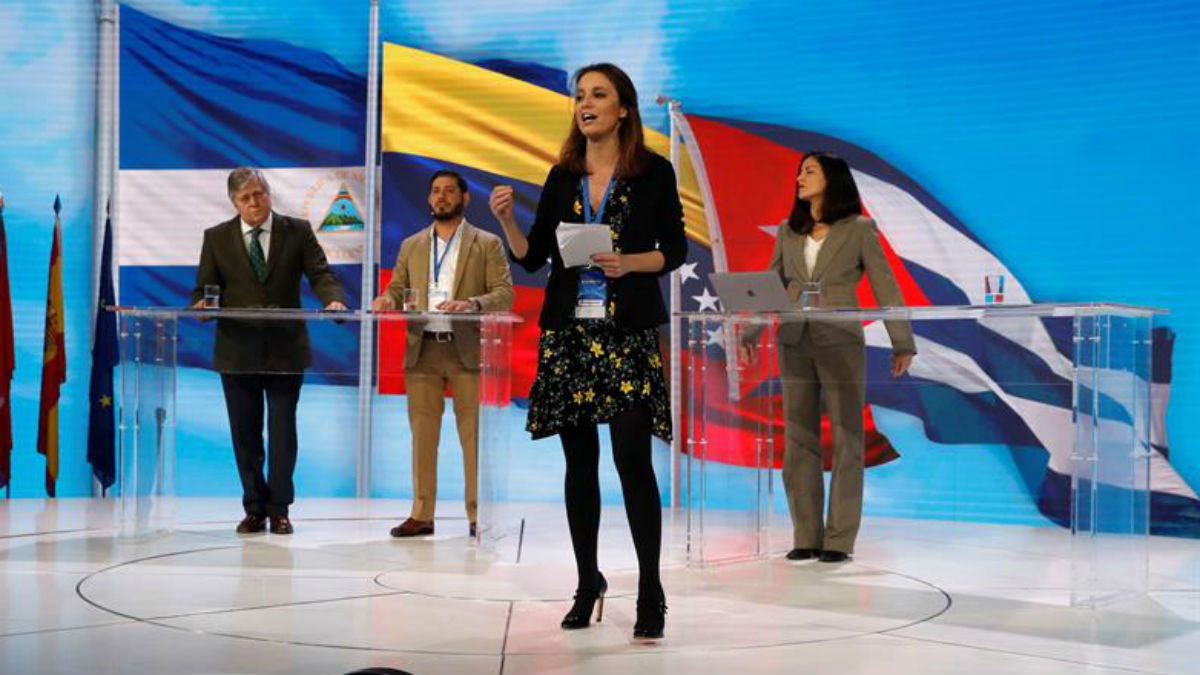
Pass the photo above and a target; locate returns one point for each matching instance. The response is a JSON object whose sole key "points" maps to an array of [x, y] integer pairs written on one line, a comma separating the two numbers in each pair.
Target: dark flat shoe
{"points": [[281, 525], [252, 524], [834, 556], [413, 528]]}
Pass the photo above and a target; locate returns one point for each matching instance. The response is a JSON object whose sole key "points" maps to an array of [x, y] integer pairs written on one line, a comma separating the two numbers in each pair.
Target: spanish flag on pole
{"points": [[54, 359]]}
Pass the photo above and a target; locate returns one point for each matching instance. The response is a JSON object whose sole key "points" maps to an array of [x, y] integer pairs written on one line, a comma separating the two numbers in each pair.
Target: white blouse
{"points": [[812, 248]]}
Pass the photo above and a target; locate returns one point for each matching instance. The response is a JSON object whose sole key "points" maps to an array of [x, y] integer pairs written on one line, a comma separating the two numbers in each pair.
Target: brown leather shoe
{"points": [[413, 528], [252, 524], [281, 525]]}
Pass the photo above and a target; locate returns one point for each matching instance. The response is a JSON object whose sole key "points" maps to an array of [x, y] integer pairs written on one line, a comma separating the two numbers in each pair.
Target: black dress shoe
{"points": [[834, 556], [580, 615], [472, 530], [803, 553], [281, 525], [252, 524]]}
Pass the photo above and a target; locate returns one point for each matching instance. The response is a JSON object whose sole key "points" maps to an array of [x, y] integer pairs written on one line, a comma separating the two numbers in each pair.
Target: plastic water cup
{"points": [[212, 297], [810, 295], [408, 300]]}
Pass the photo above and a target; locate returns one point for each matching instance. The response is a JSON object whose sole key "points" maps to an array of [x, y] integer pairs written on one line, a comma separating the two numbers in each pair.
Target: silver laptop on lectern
{"points": [[751, 291]]}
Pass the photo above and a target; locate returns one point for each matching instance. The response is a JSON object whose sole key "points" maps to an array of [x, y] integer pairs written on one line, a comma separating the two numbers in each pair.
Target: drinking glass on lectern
{"points": [[408, 299], [212, 296], [810, 295]]}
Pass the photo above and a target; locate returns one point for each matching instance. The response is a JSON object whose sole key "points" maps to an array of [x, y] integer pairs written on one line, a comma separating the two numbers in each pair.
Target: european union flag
{"points": [[101, 449]]}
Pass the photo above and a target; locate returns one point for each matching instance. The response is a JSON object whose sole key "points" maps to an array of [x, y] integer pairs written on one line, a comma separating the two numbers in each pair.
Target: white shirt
{"points": [[264, 238], [812, 248], [443, 285]]}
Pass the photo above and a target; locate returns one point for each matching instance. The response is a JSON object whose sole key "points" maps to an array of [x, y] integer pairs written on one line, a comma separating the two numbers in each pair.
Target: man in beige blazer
{"points": [[451, 267]]}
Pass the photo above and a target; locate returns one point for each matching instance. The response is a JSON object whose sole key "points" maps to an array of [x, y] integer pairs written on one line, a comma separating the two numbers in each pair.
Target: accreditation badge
{"points": [[593, 294]]}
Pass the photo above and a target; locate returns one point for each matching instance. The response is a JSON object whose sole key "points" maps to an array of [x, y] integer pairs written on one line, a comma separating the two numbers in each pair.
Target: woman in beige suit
{"points": [[823, 363]]}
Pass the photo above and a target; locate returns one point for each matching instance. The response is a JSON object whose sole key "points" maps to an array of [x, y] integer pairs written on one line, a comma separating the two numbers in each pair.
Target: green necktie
{"points": [[258, 260]]}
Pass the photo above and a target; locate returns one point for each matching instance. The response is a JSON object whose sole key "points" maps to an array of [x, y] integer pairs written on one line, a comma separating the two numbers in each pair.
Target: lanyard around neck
{"points": [[438, 260], [587, 201]]}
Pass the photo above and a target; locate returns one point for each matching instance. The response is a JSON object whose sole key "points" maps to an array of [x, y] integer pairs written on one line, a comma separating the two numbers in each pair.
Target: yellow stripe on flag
{"points": [[444, 109]]}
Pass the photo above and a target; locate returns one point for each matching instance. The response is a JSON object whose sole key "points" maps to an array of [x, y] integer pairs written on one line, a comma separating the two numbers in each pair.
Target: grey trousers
{"points": [[833, 378]]}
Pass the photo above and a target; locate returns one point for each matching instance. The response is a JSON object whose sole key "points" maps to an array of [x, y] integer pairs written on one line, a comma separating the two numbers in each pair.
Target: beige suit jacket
{"points": [[481, 274], [851, 249]]}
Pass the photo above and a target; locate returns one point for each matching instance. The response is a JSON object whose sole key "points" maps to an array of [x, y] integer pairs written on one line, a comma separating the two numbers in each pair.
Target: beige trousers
{"points": [[425, 383], [832, 377]]}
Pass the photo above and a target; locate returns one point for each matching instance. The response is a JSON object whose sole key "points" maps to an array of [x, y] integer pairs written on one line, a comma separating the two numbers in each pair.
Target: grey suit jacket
{"points": [[481, 274], [851, 249]]}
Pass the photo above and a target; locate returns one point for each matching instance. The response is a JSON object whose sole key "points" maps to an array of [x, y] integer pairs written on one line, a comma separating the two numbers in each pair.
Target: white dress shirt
{"points": [[441, 287], [264, 238]]}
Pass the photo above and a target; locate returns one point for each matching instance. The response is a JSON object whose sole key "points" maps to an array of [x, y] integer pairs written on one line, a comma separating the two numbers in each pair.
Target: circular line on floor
{"points": [[163, 621]]}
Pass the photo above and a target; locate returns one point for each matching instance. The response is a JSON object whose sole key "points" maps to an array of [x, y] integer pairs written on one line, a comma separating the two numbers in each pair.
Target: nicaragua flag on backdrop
{"points": [[193, 106], [1004, 382]]}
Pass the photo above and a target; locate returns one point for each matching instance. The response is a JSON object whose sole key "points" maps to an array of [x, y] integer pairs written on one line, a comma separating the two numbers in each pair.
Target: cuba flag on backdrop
{"points": [[998, 384], [195, 106]]}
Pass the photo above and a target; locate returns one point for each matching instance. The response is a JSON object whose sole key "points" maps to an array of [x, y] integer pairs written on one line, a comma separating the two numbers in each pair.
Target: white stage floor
{"points": [[339, 594]]}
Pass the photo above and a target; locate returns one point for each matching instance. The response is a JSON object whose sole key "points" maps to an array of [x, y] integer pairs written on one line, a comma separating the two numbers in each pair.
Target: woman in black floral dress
{"points": [[598, 357]]}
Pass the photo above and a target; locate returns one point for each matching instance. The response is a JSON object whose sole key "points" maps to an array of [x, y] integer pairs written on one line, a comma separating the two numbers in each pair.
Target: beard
{"points": [[453, 212]]}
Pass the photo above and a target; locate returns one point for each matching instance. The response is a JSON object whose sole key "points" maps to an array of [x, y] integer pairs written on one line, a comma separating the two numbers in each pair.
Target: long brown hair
{"points": [[632, 153]]}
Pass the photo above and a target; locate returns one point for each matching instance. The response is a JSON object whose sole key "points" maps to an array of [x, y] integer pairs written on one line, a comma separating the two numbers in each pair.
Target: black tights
{"points": [[630, 431]]}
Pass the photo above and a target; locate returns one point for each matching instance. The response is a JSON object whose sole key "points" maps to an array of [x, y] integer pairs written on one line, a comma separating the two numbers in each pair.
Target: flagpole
{"points": [[366, 330], [106, 12], [676, 283]]}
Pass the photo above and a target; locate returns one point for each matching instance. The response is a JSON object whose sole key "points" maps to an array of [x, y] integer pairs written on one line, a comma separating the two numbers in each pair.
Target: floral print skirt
{"points": [[593, 370]]}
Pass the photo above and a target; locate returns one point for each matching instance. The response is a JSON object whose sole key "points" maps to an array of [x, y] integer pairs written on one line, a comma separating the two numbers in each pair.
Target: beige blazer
{"points": [[851, 249], [482, 274]]}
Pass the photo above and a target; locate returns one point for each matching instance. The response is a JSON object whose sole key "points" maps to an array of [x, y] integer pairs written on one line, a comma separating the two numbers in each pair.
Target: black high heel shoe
{"points": [[651, 618], [580, 615]]}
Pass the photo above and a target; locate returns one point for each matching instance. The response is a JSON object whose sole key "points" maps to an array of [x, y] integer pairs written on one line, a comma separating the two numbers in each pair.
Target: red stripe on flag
{"points": [[527, 304], [753, 184], [7, 359]]}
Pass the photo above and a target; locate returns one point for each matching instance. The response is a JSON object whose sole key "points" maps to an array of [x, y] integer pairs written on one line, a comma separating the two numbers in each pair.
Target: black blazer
{"points": [[264, 346], [656, 224]]}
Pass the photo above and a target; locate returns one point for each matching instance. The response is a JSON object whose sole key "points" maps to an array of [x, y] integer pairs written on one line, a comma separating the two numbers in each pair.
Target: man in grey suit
{"points": [[257, 259]]}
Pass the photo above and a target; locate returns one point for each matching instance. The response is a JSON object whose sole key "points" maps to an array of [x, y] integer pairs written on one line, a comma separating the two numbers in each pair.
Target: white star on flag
{"points": [[716, 336], [688, 271], [771, 230], [708, 301]]}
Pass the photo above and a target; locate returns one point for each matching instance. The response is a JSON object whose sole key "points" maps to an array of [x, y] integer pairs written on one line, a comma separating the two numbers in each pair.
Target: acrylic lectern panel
{"points": [[146, 455], [174, 430], [1033, 415]]}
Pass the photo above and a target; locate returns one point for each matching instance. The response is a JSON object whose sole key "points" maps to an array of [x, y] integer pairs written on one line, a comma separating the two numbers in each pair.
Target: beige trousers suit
{"points": [[822, 364], [482, 275]]}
